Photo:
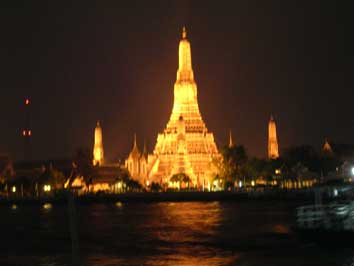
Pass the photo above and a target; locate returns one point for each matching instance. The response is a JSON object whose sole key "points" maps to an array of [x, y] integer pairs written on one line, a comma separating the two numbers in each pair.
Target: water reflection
{"points": [[47, 206], [119, 204], [185, 233]]}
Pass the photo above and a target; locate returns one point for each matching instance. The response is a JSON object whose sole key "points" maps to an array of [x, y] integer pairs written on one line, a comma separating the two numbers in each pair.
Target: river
{"points": [[166, 233]]}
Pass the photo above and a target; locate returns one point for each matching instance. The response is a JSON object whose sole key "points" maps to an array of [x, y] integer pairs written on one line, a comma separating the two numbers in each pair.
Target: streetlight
{"points": [[353, 170]]}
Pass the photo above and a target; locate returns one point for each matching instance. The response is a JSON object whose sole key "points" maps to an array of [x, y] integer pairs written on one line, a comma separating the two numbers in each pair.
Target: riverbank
{"points": [[307, 195]]}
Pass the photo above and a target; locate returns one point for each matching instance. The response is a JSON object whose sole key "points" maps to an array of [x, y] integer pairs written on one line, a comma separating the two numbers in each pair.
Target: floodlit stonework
{"points": [[98, 146], [185, 146], [273, 150]]}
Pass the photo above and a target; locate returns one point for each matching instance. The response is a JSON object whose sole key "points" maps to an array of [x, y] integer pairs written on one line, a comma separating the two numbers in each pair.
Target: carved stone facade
{"points": [[185, 146]]}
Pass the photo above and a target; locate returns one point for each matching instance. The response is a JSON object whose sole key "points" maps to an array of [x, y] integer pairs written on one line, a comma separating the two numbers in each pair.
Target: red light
{"points": [[24, 133], [27, 102], [29, 132]]}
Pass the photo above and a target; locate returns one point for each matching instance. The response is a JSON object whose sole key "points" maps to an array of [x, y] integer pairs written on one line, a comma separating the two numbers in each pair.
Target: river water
{"points": [[183, 233]]}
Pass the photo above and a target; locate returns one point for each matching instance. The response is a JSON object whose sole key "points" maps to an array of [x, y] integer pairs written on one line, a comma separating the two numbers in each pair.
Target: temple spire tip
{"points": [[184, 33]]}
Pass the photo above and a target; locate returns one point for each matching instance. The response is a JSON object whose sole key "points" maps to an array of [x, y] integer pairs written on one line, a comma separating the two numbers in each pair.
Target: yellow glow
{"points": [[13, 189], [14, 207], [277, 171], [119, 204], [148, 183], [98, 147], [47, 188], [47, 206], [253, 183]]}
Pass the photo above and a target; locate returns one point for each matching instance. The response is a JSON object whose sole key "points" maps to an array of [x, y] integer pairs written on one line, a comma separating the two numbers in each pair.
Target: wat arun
{"points": [[185, 146]]}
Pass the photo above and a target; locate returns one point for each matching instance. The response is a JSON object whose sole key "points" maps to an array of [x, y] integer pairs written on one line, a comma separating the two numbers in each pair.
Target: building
{"points": [[98, 158], [137, 163], [273, 150], [185, 146]]}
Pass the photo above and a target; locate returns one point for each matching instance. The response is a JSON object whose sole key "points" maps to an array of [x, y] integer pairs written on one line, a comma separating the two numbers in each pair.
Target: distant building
{"points": [[98, 158], [136, 163], [273, 149], [344, 152]]}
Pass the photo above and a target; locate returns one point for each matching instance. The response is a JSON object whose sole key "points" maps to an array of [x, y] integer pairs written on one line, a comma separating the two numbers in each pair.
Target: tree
{"points": [[155, 187], [181, 178], [234, 160], [82, 163]]}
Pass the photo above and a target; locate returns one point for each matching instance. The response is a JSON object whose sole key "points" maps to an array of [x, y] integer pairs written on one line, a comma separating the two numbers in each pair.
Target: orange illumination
{"points": [[98, 147], [273, 152], [185, 146]]}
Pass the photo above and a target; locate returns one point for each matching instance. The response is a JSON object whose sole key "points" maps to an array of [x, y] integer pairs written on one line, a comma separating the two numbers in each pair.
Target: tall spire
{"points": [[230, 139], [273, 151], [185, 72], [135, 153], [98, 146]]}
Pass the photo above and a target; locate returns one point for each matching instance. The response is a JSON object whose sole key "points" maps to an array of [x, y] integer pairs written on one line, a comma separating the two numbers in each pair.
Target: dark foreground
{"points": [[162, 233]]}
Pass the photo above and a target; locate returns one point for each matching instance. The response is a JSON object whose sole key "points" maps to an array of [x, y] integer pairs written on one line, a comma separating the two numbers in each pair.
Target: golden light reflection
{"points": [[119, 204], [47, 206]]}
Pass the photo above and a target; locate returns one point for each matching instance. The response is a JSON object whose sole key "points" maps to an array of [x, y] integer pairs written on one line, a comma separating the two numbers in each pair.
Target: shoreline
{"points": [[146, 197]]}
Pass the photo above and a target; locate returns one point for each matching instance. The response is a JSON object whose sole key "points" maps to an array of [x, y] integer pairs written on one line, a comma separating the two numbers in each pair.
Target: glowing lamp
{"points": [[353, 170], [253, 183], [46, 188], [240, 184], [13, 189], [27, 101]]}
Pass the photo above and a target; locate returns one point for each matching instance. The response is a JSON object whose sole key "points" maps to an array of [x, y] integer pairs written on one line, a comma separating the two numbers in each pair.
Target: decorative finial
{"points": [[230, 139], [184, 33], [135, 140]]}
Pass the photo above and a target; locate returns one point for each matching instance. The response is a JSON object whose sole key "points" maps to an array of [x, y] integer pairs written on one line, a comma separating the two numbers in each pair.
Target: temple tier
{"points": [[185, 146]]}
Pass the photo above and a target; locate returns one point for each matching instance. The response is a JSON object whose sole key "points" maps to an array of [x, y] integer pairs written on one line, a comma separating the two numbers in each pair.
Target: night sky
{"points": [[116, 61]]}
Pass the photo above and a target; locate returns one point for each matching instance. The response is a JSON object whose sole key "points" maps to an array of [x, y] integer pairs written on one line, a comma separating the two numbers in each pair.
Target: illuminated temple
{"points": [[273, 150], [185, 145]]}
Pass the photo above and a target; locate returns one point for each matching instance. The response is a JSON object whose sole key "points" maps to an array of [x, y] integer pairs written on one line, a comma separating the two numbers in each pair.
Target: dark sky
{"points": [[116, 61]]}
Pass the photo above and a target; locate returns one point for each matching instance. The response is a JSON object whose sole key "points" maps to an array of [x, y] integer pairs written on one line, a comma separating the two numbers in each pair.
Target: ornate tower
{"points": [[185, 146], [98, 146], [273, 152]]}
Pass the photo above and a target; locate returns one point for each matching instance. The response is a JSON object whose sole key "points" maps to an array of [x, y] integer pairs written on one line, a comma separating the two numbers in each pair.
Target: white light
{"points": [[240, 184], [252, 183], [335, 192], [353, 170], [13, 189], [46, 188]]}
